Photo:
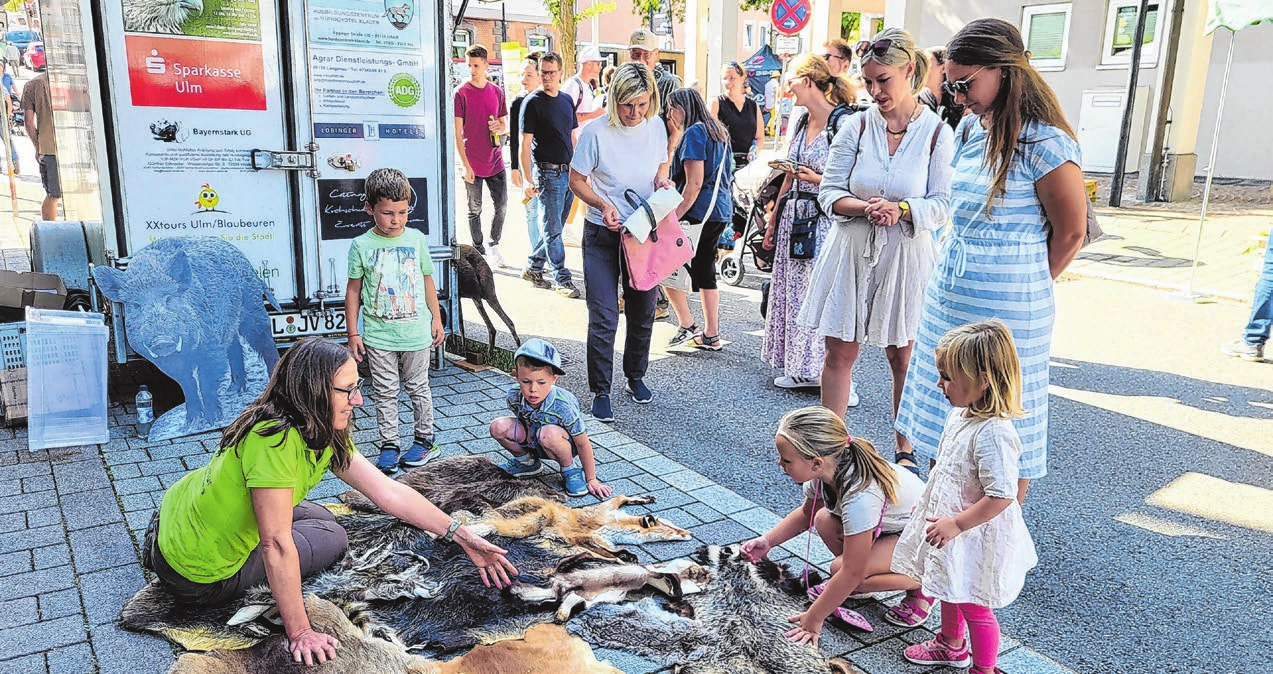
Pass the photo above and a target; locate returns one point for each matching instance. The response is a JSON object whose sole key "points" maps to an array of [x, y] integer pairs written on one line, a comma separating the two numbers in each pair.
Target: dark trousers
{"points": [[602, 272], [497, 185], [320, 543]]}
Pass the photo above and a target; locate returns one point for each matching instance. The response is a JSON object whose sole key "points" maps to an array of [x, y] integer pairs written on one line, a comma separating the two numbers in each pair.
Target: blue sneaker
{"points": [[639, 391], [518, 469], [601, 408], [419, 454], [388, 461], [575, 484]]}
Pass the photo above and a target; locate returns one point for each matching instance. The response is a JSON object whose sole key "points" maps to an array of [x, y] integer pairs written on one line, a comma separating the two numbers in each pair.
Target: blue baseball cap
{"points": [[541, 351]]}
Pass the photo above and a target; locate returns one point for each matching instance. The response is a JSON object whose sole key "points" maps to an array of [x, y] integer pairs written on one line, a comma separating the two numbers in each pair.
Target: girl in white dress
{"points": [[966, 541]]}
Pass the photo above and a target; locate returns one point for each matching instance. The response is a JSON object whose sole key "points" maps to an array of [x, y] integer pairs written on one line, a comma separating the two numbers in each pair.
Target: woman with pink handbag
{"points": [[628, 151]]}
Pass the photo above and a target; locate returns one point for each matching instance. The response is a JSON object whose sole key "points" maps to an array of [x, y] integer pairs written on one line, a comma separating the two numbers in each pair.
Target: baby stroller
{"points": [[749, 230]]}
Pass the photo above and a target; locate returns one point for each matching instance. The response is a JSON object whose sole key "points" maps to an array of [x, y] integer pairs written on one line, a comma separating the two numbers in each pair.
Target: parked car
{"points": [[22, 38], [33, 57]]}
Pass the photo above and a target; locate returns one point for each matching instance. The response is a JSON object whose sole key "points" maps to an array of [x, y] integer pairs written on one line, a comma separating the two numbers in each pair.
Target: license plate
{"points": [[301, 323]]}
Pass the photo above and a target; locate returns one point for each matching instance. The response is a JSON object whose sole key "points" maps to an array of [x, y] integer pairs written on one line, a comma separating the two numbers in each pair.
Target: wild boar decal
{"points": [[191, 304]]}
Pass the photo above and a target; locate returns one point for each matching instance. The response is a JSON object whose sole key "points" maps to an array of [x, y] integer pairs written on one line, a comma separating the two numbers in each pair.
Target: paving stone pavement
{"points": [[72, 520]]}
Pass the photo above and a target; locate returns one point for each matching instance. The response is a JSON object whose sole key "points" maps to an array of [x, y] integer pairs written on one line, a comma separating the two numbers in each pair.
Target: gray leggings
{"points": [[320, 543]]}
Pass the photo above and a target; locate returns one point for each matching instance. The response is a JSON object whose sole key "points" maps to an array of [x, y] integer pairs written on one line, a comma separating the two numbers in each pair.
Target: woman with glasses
{"points": [[798, 351], [740, 115], [887, 185], [241, 520], [1016, 169]]}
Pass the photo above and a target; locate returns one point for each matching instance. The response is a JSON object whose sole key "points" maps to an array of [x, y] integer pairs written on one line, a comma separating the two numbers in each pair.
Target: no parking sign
{"points": [[790, 16]]}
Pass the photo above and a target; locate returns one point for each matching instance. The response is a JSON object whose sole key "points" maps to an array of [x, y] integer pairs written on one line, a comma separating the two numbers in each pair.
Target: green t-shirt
{"points": [[207, 525], [395, 311]]}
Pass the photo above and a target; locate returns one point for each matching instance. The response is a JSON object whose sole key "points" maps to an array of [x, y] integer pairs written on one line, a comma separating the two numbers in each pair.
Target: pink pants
{"points": [[983, 631]]}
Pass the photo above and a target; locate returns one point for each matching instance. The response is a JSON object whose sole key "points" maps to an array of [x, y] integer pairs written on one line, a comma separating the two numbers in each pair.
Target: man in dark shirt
{"points": [[548, 118], [530, 84]]}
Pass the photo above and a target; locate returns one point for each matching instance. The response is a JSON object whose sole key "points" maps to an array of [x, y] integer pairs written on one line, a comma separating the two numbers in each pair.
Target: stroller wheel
{"points": [[730, 270]]}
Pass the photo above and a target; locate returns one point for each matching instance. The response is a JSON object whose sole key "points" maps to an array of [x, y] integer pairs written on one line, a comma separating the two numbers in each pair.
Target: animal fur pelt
{"points": [[469, 483], [583, 580], [547, 649], [735, 626]]}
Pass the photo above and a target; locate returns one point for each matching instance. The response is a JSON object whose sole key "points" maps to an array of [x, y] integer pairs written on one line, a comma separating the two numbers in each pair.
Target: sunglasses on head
{"points": [[877, 48], [962, 86]]}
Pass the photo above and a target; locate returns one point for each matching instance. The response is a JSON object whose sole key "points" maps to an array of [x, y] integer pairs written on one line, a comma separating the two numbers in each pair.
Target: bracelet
{"points": [[353, 334], [449, 536]]}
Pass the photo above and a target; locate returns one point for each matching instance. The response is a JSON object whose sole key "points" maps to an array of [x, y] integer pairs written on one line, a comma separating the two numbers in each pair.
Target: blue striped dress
{"points": [[991, 267]]}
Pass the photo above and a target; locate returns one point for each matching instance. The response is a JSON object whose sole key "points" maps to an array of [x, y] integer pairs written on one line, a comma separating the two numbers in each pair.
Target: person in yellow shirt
{"points": [[242, 519]]}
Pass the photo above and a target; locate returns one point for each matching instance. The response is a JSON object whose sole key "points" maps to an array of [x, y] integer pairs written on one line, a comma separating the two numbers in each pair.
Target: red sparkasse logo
{"points": [[195, 73]]}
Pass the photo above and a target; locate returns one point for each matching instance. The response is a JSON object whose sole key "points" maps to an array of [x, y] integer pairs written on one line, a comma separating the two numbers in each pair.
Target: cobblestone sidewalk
{"points": [[71, 520]]}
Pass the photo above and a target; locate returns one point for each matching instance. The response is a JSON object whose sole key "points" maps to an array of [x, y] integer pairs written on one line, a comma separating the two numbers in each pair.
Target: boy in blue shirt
{"points": [[391, 288], [546, 423]]}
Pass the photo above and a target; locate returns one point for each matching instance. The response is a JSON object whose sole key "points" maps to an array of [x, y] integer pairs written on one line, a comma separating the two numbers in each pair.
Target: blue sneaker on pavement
{"points": [[420, 454], [575, 484], [388, 461], [601, 408], [639, 391], [518, 469]]}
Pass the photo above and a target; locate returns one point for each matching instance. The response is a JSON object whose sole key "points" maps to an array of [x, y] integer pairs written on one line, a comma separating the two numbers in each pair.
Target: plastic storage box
{"points": [[66, 378]]}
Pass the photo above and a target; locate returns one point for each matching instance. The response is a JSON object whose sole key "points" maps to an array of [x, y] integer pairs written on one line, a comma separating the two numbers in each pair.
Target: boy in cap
{"points": [[546, 423]]}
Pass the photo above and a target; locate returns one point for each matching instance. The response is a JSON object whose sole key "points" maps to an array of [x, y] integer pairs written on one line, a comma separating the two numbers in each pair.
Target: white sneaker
{"points": [[496, 256], [787, 381], [853, 395]]}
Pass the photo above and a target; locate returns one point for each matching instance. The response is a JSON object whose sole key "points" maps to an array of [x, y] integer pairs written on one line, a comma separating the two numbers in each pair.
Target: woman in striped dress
{"points": [[1016, 158]]}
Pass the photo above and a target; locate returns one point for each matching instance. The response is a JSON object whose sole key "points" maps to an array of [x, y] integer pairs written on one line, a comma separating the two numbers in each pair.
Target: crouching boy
{"points": [[546, 423]]}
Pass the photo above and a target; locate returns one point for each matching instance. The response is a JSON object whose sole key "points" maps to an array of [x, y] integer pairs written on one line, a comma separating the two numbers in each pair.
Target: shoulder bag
{"points": [[666, 250], [681, 278]]}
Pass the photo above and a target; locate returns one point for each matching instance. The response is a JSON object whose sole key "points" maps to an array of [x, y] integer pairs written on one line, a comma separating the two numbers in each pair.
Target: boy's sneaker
{"points": [[639, 391], [496, 256], [1244, 350], [388, 461], [601, 408], [536, 279], [516, 468], [575, 484], [420, 454], [937, 652], [568, 289]]}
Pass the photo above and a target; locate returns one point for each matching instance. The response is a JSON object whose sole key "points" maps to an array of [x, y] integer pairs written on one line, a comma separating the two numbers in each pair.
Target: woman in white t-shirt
{"points": [[628, 151], [859, 503]]}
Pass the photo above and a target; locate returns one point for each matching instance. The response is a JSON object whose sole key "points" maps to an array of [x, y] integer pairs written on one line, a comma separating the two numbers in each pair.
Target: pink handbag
{"points": [[667, 249]]}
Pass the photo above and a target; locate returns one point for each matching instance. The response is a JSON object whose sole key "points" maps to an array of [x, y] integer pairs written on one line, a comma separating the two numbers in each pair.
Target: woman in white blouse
{"points": [[887, 185]]}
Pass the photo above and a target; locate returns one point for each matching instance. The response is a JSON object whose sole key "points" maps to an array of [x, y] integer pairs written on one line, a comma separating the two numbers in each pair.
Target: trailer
{"points": [[255, 121]]}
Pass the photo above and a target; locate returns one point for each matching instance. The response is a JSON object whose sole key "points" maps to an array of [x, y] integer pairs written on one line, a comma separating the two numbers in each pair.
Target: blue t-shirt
{"points": [[7, 82], [696, 144]]}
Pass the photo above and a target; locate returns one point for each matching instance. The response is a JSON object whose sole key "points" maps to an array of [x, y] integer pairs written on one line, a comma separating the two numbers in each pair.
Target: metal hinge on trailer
{"points": [[287, 160]]}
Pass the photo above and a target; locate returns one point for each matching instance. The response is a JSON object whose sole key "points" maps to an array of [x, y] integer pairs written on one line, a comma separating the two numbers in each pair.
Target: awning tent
{"points": [[760, 68]]}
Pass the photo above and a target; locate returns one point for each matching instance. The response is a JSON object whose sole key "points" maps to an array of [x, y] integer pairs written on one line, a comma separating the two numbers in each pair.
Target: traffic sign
{"points": [[788, 45], [790, 16]]}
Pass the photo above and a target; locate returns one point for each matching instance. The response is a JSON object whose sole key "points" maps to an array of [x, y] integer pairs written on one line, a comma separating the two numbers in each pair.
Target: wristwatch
{"points": [[905, 208], [449, 536]]}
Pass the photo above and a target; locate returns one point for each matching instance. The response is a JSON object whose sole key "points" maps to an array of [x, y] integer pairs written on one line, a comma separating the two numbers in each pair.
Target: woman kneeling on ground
{"points": [[242, 520], [859, 504]]}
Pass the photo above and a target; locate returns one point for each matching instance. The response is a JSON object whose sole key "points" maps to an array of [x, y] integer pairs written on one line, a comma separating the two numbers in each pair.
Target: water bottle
{"points": [[145, 412]]}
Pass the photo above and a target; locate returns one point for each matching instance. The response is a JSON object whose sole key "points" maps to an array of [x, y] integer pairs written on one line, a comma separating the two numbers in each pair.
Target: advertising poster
{"points": [[374, 85], [226, 19], [371, 24], [182, 73], [342, 213]]}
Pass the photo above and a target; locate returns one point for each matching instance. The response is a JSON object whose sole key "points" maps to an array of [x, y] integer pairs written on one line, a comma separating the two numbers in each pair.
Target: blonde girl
{"points": [[966, 542], [857, 501]]}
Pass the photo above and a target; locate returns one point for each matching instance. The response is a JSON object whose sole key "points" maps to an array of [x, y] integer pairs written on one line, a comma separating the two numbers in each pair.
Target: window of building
{"points": [[461, 40], [1120, 31], [539, 43], [764, 36], [749, 35], [1046, 29]]}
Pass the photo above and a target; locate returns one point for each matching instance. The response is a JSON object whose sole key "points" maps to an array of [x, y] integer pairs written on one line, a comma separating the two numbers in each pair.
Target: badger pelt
{"points": [[583, 580], [469, 483], [365, 648], [159, 16], [599, 529], [735, 625]]}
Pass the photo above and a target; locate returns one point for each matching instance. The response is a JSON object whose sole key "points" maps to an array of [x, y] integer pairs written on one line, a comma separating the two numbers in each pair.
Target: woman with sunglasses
{"points": [[740, 115], [1016, 169], [241, 520], [887, 185]]}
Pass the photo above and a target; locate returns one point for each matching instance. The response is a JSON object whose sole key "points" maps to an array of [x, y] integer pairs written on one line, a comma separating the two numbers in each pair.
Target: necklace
{"points": [[899, 134]]}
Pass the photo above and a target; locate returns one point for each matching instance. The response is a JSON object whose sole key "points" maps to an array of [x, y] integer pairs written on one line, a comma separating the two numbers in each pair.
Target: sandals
{"points": [[910, 612], [913, 467], [852, 618], [685, 336], [702, 341]]}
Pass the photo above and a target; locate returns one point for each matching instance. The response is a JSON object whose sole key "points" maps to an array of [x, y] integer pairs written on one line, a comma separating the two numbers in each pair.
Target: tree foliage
{"points": [[643, 9], [758, 5], [566, 21]]}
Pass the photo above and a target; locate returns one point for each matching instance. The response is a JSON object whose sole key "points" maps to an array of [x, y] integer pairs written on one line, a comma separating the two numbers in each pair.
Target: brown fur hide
{"points": [[547, 649], [469, 483]]}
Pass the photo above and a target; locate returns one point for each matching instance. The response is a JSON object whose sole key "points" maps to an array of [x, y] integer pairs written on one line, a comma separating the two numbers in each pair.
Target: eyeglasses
{"points": [[960, 87], [546, 73], [355, 390], [828, 57], [877, 48]]}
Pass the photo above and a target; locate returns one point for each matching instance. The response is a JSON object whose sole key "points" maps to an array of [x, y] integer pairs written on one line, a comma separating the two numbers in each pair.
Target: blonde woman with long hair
{"points": [[826, 101], [888, 186], [859, 503], [626, 151]]}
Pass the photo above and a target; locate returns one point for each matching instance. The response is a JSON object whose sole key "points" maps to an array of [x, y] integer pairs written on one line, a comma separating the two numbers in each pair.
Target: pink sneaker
{"points": [[938, 652]]}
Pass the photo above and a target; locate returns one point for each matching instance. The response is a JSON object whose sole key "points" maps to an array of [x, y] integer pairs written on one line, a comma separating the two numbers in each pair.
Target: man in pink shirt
{"points": [[481, 116]]}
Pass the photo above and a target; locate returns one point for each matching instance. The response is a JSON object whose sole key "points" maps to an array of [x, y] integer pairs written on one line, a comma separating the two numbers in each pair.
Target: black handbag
{"points": [[803, 241]]}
